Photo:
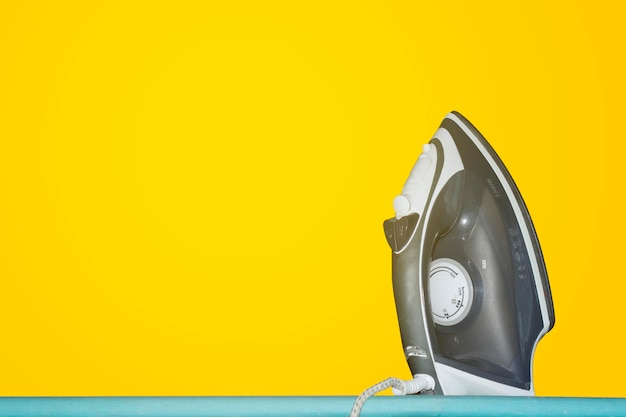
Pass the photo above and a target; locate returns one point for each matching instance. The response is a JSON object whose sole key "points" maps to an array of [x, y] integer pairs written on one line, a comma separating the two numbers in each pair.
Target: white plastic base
{"points": [[456, 382]]}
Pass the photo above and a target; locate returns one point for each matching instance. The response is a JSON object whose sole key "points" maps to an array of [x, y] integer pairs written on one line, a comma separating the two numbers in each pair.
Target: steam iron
{"points": [[470, 285]]}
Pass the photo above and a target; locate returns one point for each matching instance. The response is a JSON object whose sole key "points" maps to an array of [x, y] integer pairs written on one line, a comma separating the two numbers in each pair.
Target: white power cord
{"points": [[420, 382]]}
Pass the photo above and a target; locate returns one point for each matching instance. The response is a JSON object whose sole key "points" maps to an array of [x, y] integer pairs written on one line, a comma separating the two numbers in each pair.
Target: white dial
{"points": [[451, 292]]}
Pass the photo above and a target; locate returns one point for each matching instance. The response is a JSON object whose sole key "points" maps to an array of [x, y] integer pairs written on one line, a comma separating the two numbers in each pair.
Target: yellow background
{"points": [[192, 194]]}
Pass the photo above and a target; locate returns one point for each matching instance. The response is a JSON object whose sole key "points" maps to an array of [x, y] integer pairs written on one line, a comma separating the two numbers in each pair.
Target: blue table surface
{"points": [[309, 406]]}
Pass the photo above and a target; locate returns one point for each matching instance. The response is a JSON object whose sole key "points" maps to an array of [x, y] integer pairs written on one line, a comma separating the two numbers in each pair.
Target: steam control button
{"points": [[401, 205]]}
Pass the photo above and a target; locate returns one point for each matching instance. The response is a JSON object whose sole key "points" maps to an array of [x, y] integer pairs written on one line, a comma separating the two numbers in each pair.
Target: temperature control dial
{"points": [[451, 292]]}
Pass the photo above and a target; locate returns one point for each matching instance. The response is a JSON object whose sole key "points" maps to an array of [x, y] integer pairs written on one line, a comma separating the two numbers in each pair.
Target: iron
{"points": [[470, 284]]}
